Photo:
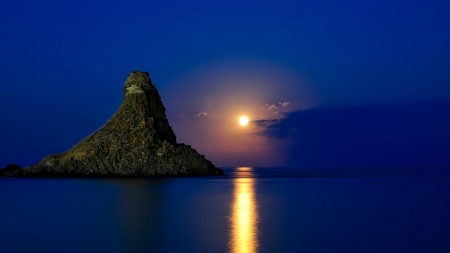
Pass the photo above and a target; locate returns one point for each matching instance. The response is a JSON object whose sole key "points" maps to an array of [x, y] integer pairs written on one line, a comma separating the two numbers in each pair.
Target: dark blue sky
{"points": [[63, 64]]}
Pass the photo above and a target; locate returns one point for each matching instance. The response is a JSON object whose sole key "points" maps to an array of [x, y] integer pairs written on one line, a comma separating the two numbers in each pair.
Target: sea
{"points": [[250, 209]]}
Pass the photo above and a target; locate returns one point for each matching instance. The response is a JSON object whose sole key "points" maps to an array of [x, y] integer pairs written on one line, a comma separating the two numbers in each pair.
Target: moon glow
{"points": [[243, 121]]}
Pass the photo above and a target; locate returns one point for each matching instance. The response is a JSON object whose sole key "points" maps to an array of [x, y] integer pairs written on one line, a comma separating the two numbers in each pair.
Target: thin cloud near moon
{"points": [[275, 106], [204, 114], [265, 122], [201, 114]]}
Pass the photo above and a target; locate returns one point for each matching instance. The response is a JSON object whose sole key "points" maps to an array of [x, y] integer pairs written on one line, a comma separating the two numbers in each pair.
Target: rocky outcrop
{"points": [[10, 170], [136, 141]]}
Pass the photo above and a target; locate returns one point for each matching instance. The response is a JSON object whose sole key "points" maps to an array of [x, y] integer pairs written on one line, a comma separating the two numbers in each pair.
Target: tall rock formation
{"points": [[136, 141]]}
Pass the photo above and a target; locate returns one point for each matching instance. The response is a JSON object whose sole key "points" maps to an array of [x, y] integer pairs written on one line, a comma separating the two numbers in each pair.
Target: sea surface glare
{"points": [[248, 210]]}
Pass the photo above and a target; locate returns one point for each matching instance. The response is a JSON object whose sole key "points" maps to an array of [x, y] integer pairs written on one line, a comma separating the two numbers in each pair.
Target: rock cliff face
{"points": [[136, 141]]}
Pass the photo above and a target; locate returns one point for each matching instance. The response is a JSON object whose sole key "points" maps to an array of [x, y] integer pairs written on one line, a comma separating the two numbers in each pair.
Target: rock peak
{"points": [[138, 76], [136, 141], [138, 82]]}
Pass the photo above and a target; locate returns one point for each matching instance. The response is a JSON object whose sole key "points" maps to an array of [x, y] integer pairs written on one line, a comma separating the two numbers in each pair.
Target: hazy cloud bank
{"points": [[402, 135]]}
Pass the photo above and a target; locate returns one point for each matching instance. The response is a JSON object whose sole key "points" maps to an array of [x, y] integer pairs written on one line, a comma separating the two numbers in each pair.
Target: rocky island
{"points": [[137, 141]]}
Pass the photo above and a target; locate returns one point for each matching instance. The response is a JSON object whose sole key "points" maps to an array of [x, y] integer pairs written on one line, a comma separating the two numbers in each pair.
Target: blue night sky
{"points": [[356, 84]]}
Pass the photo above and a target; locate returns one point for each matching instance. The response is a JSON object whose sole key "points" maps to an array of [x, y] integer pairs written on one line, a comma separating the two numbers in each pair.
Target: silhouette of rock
{"points": [[136, 141]]}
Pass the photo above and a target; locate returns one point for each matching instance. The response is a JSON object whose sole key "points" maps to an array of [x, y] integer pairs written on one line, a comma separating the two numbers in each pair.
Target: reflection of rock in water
{"points": [[244, 216], [141, 208]]}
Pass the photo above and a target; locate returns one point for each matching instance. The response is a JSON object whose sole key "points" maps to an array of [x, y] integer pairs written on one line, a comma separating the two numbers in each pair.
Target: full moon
{"points": [[243, 120]]}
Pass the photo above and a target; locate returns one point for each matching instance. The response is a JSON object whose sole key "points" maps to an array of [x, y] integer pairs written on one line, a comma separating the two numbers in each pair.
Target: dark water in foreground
{"points": [[249, 210]]}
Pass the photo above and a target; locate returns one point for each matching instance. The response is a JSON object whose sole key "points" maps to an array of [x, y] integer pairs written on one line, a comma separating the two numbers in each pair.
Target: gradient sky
{"points": [[292, 67]]}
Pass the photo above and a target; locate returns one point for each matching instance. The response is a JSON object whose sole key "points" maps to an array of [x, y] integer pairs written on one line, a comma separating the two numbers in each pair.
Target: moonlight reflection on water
{"points": [[244, 216]]}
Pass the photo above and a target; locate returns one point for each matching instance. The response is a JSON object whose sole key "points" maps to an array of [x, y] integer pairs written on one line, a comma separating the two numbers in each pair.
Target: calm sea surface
{"points": [[249, 210]]}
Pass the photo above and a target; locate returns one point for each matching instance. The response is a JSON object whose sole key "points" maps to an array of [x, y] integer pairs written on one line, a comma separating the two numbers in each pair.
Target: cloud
{"points": [[204, 114], [276, 105], [201, 114], [265, 122], [379, 136]]}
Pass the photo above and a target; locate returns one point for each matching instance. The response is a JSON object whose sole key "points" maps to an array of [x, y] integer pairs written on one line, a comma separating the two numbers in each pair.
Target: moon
{"points": [[243, 121]]}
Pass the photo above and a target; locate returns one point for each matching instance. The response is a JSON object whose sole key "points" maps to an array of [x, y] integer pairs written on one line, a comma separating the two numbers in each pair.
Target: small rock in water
{"points": [[11, 169]]}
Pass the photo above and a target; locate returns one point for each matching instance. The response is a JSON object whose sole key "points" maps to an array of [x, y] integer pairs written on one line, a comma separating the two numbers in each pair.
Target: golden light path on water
{"points": [[244, 216]]}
